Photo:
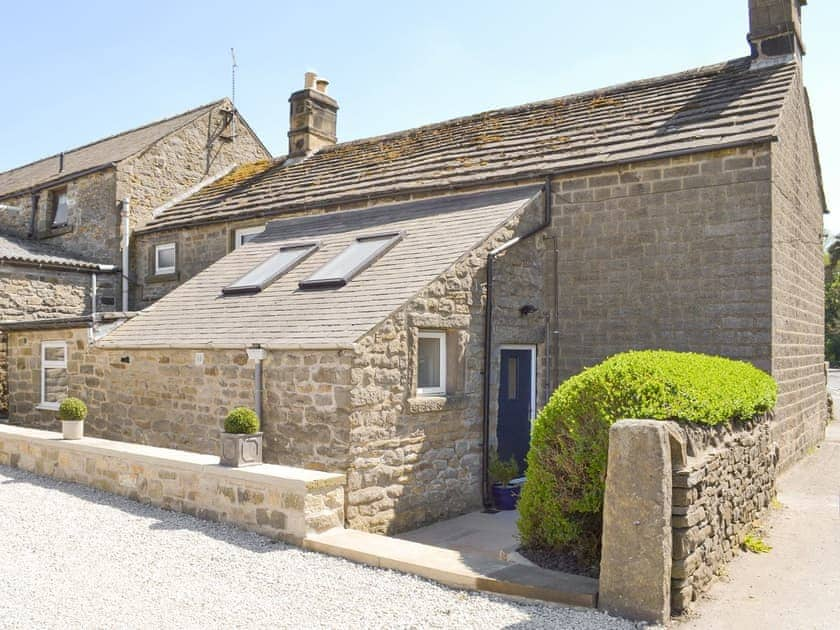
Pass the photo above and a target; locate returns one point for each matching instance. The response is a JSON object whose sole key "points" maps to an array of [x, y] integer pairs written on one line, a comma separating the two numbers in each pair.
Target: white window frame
{"points": [[160, 271], [44, 404], [246, 231], [440, 390]]}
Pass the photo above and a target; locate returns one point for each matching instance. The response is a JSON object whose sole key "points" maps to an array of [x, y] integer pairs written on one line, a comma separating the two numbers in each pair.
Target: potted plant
{"points": [[241, 439], [505, 495], [72, 413]]}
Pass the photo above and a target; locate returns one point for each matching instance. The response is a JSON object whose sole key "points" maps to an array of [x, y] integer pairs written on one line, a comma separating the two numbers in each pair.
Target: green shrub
{"points": [[72, 409], [502, 471], [242, 420], [564, 488]]}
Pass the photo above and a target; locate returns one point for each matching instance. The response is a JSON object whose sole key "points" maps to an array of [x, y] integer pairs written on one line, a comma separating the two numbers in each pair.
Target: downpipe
{"points": [[486, 496]]}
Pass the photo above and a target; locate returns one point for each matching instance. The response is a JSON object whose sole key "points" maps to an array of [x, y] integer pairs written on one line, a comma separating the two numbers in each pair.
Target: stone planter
{"points": [[72, 429], [241, 449]]}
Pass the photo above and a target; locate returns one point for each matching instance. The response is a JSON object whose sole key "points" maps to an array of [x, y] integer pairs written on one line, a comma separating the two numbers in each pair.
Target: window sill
{"points": [[433, 404], [163, 277], [55, 231], [47, 406]]}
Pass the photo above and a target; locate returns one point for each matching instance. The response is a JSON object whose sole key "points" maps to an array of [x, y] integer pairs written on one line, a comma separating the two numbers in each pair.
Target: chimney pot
{"points": [[321, 85], [309, 80]]}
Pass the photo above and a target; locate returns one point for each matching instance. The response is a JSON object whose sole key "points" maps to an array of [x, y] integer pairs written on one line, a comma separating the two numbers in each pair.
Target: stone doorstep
{"points": [[455, 569]]}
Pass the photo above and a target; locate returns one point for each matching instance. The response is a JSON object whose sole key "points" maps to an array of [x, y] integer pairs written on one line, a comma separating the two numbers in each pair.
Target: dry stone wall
{"points": [[728, 481]]}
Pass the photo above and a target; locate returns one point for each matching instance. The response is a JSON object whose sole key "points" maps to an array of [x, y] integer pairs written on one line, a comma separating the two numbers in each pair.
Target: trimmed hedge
{"points": [[72, 409], [563, 495], [242, 420]]}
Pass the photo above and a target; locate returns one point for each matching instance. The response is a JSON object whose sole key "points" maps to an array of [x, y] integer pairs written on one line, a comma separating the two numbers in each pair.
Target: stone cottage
{"points": [[416, 297], [69, 216]]}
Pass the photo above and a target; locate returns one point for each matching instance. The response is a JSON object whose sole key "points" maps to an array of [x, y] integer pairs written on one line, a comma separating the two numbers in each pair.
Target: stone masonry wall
{"points": [[92, 230], [276, 501], [418, 459], [167, 398], [798, 326], [728, 481], [28, 293], [181, 160]]}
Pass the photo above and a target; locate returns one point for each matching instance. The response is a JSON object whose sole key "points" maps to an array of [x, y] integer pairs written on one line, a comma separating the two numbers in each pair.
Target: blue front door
{"points": [[513, 429]]}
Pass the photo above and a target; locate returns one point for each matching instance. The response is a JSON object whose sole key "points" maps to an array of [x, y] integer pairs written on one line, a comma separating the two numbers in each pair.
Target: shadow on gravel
{"points": [[163, 519]]}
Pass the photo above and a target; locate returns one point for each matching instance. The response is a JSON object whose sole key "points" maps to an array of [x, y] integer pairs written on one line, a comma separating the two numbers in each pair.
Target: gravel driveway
{"points": [[74, 557]]}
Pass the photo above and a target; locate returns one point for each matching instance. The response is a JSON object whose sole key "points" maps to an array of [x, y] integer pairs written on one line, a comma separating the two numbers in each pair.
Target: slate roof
{"points": [[37, 253], [437, 232], [96, 155], [729, 104]]}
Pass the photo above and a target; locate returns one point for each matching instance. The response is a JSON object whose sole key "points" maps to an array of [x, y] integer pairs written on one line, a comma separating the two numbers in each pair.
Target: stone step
{"points": [[452, 568]]}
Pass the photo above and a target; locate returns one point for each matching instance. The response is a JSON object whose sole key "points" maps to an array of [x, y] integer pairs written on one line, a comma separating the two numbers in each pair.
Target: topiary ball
{"points": [[242, 420], [72, 409]]}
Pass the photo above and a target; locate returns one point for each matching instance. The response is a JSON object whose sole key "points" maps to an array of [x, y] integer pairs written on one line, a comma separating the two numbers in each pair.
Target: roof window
{"points": [[355, 258], [268, 271]]}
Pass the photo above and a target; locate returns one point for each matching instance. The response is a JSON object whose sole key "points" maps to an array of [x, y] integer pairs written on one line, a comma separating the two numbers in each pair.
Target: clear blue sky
{"points": [[73, 72]]}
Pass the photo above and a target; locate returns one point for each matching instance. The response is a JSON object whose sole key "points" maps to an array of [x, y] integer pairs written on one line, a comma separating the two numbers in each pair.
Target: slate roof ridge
{"points": [[732, 65], [116, 135]]}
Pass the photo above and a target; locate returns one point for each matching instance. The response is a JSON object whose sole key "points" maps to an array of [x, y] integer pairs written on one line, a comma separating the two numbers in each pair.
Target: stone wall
{"points": [[277, 501], [181, 160], [175, 399], [682, 497], [727, 482], [92, 230], [29, 293], [798, 326], [414, 459]]}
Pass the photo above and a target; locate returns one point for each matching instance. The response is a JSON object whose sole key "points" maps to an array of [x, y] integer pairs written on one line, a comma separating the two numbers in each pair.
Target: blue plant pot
{"points": [[505, 497]]}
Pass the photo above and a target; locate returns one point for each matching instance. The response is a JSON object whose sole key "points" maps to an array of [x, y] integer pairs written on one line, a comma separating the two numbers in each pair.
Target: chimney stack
{"points": [[312, 117], [776, 29]]}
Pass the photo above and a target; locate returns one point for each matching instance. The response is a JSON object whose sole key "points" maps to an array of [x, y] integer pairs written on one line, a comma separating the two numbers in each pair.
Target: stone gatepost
{"points": [[636, 560]]}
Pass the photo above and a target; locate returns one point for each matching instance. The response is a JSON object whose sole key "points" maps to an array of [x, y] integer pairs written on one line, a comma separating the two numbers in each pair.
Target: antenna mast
{"points": [[233, 91]]}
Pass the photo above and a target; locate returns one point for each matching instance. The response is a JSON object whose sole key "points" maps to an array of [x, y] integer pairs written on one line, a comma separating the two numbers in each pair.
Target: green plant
{"points": [[754, 543], [72, 409], [502, 471], [242, 420], [563, 493]]}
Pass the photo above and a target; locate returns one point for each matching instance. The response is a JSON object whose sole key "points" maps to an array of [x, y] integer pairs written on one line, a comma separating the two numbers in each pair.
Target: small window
{"points": [[243, 235], [59, 207], [355, 258], [53, 374], [431, 363], [268, 271], [164, 259]]}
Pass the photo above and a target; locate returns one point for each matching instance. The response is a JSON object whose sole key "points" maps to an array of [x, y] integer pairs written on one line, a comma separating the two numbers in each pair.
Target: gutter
{"points": [[486, 498], [226, 346], [56, 181], [93, 268], [476, 182]]}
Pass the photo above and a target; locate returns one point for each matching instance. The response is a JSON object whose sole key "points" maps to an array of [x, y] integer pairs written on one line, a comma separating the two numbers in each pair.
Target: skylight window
{"points": [[268, 271], [355, 258]]}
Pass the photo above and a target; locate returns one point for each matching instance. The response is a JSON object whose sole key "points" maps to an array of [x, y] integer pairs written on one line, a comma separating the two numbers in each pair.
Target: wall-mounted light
{"points": [[527, 309]]}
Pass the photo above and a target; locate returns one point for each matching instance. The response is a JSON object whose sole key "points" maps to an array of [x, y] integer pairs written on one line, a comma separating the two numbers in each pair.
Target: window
{"points": [[243, 235], [53, 373], [431, 363], [164, 259], [268, 271], [58, 202], [356, 257]]}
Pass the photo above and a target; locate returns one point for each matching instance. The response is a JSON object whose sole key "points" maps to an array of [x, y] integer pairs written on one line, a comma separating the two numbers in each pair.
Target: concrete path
{"points": [[476, 533], [797, 584]]}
